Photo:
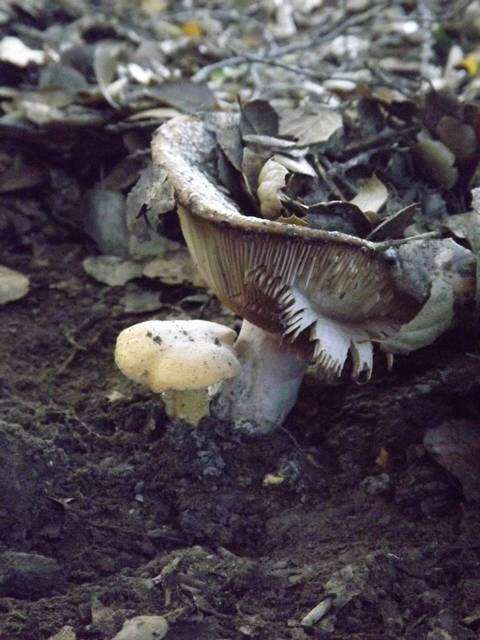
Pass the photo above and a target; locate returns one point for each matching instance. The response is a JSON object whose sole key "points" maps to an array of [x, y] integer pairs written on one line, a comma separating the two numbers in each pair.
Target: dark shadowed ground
{"points": [[118, 496]]}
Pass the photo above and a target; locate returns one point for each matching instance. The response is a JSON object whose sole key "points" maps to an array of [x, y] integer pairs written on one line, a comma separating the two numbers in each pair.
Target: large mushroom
{"points": [[304, 294]]}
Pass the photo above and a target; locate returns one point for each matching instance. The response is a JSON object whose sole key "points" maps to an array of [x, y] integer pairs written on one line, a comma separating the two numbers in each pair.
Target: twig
{"points": [[386, 244], [378, 140], [324, 175], [264, 55]]}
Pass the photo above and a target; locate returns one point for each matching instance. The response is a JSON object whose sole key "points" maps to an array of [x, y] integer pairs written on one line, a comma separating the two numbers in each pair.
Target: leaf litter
{"points": [[352, 117]]}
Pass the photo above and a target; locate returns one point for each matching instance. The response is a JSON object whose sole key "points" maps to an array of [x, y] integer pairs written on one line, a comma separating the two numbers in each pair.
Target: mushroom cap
{"points": [[177, 354], [284, 278]]}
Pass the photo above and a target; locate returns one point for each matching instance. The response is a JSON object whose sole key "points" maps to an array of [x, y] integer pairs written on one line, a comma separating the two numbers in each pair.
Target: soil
{"points": [[143, 516]]}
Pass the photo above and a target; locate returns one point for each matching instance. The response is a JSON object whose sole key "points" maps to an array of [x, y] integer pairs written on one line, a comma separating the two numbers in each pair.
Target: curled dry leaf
{"points": [[105, 64], [271, 181], [433, 319]]}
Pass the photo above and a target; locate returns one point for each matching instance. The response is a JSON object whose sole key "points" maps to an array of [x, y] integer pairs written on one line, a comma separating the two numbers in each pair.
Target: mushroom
{"points": [[304, 294], [182, 359]]}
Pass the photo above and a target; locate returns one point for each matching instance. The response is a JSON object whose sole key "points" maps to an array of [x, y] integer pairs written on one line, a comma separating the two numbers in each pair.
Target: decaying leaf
{"points": [[174, 267], [309, 129], [258, 117], [372, 196], [467, 227], [437, 162], [21, 174], [456, 446], [107, 55], [433, 319], [151, 197], [395, 226], [14, 51], [112, 270], [271, 181], [336, 215], [184, 95]]}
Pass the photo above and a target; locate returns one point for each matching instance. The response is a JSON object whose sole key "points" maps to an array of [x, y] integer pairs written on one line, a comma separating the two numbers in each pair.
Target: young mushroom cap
{"points": [[337, 290], [177, 354]]}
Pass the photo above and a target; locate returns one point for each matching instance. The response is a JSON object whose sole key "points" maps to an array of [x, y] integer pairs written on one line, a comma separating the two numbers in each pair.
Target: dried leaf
{"points": [[22, 174], [105, 64], [311, 129], [437, 162], [258, 117], [112, 270], [14, 51], [105, 220], [456, 446], [433, 319], [269, 142], [467, 227], [159, 113], [184, 95], [192, 29], [151, 197], [460, 138], [293, 219], [271, 181], [372, 196], [296, 165], [394, 227], [175, 267], [337, 215]]}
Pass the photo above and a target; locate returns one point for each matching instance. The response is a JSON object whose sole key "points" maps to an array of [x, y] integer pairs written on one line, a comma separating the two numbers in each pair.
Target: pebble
{"points": [[105, 221], [65, 633], [29, 576], [143, 628], [112, 270], [376, 485], [13, 285]]}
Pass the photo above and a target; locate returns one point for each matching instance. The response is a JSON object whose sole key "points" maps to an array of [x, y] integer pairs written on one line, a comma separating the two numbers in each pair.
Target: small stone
{"points": [[105, 221], [13, 285], [376, 485], [439, 634], [141, 302], [112, 270], [143, 628], [29, 576], [65, 633]]}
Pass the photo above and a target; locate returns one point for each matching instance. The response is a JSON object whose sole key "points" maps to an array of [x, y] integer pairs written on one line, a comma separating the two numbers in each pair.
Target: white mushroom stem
{"points": [[261, 396], [190, 405]]}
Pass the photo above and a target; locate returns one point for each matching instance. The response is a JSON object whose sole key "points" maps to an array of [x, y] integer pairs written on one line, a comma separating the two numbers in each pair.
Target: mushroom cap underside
{"points": [[254, 264], [284, 278]]}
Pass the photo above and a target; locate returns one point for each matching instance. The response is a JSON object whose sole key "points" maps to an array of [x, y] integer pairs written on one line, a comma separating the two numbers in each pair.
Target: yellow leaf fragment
{"points": [[382, 458], [192, 29], [470, 63]]}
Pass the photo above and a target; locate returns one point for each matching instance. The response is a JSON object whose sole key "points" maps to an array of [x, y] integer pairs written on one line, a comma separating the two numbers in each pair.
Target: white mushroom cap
{"points": [[177, 354]]}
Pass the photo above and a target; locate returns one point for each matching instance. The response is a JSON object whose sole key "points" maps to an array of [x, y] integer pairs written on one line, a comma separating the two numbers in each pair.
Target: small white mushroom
{"points": [[184, 360]]}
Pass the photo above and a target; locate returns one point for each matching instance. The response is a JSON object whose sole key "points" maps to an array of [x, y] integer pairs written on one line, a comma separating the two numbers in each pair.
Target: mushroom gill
{"points": [[334, 289]]}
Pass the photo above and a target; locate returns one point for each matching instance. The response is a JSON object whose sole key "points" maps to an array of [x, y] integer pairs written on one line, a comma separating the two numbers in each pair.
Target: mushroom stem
{"points": [[189, 405], [261, 396]]}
